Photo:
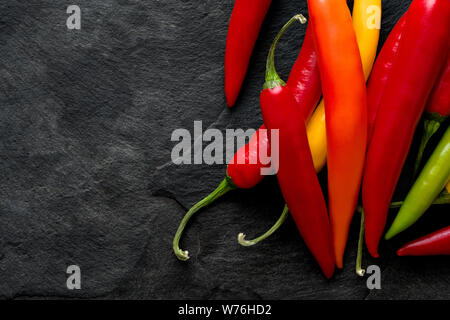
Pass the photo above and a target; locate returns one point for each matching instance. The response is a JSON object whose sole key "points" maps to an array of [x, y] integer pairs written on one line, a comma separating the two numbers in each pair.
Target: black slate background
{"points": [[86, 173]]}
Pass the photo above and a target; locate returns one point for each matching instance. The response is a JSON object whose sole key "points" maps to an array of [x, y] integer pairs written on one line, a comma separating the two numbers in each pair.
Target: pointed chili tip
{"points": [[401, 252], [340, 264], [231, 100], [328, 273], [243, 242], [372, 248], [389, 234], [232, 89]]}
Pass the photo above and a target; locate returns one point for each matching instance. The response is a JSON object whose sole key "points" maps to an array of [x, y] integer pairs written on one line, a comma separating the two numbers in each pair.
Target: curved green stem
{"points": [[359, 270], [248, 243], [430, 127], [272, 78], [222, 189]]}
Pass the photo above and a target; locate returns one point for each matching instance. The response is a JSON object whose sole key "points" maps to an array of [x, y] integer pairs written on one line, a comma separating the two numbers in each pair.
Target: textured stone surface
{"points": [[85, 160]]}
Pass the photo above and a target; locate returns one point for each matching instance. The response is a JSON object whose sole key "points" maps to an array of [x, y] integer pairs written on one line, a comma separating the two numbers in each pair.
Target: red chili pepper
{"points": [[437, 110], [421, 55], [296, 175], [305, 81], [436, 243], [243, 30], [439, 102], [380, 72], [244, 171], [344, 90]]}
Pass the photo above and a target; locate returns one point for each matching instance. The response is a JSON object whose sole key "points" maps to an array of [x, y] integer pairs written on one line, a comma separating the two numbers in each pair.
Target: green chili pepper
{"points": [[429, 184]]}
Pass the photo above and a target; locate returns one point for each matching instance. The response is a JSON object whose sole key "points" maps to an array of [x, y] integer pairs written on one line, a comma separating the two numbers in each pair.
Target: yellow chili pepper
{"points": [[366, 22]]}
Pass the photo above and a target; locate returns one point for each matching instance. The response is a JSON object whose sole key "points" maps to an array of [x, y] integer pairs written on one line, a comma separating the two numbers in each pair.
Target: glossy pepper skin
{"points": [[367, 23], [296, 175], [304, 79], [434, 244], [432, 180], [345, 97], [243, 30], [380, 73], [422, 54], [439, 102], [245, 168]]}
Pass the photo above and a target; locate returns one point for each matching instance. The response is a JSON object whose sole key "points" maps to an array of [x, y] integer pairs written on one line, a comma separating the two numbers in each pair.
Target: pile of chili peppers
{"points": [[362, 128]]}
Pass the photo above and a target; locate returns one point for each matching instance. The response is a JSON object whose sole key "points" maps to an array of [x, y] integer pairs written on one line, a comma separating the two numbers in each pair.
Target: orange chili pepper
{"points": [[344, 91]]}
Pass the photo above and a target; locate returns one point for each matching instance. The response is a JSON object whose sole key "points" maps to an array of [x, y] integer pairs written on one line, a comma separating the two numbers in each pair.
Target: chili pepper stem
{"points": [[396, 204], [444, 198], [359, 270], [225, 186], [247, 243], [430, 127], [272, 78]]}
